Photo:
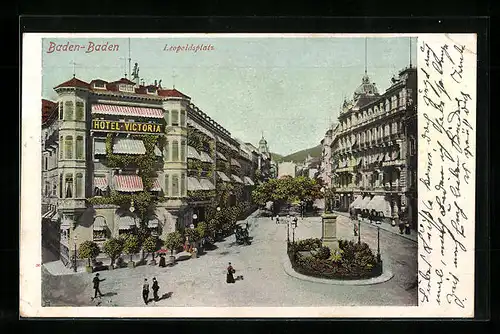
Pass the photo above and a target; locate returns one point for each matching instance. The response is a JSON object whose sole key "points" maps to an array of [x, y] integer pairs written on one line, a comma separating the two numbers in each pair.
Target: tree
{"points": [[173, 241], [151, 245], [131, 245], [88, 250], [113, 248], [193, 234], [202, 229]]}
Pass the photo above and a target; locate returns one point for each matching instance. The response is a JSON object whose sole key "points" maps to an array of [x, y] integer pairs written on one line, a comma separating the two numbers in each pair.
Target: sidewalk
{"points": [[395, 230]]}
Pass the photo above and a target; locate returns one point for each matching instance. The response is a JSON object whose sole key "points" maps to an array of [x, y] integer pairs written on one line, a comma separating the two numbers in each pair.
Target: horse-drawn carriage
{"points": [[242, 236]]}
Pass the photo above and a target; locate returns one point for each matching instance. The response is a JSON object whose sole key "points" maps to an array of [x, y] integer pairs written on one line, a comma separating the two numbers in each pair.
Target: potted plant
{"points": [[173, 241], [113, 248], [202, 231], [131, 246], [151, 245], [88, 250]]}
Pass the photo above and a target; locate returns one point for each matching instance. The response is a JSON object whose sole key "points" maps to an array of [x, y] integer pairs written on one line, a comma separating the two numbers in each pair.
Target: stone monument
{"points": [[329, 231]]}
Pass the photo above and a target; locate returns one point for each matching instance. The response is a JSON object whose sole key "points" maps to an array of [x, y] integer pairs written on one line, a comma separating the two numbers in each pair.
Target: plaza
{"points": [[201, 281]]}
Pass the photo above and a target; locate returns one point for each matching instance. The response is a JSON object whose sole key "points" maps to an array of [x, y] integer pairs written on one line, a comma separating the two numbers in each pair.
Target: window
{"points": [[54, 187], [175, 118], [79, 185], [175, 150], [69, 186], [167, 185], [394, 128], [61, 186], [167, 117], [68, 114], [99, 84], [60, 110], [45, 163], [166, 149], [68, 147], [183, 184], [80, 115], [79, 147], [61, 141], [183, 150], [175, 185], [387, 106], [183, 117]]}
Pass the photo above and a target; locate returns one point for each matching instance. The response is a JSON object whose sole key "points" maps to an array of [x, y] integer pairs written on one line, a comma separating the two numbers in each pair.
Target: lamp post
{"points": [[378, 243], [288, 232], [132, 208], [195, 216], [294, 225], [75, 238]]}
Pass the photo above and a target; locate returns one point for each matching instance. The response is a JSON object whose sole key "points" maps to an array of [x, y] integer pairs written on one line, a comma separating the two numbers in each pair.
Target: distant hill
{"points": [[276, 157], [302, 155]]}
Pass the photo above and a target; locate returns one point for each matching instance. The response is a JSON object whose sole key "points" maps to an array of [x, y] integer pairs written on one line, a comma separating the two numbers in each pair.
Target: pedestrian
{"points": [[277, 219], [96, 282], [230, 272], [155, 287], [162, 261], [145, 291], [295, 220]]}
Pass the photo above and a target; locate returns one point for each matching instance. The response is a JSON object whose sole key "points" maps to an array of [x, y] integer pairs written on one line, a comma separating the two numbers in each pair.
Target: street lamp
{"points": [[195, 216], [75, 238], [132, 208], [378, 243], [294, 225]]}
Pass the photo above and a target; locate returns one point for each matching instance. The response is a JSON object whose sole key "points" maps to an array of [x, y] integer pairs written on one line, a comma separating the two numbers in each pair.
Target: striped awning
{"points": [[128, 183], [205, 157], [357, 202], [206, 184], [380, 204], [200, 128], [364, 202], [156, 185], [223, 177], [235, 162], [108, 109], [126, 223], [99, 223], [153, 222], [193, 184], [99, 146], [237, 178], [192, 153], [221, 156], [248, 181], [129, 146], [100, 182]]}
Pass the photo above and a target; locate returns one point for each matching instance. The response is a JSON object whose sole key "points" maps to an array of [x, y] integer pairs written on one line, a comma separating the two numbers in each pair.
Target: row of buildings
{"points": [[369, 155], [98, 139], [308, 168]]}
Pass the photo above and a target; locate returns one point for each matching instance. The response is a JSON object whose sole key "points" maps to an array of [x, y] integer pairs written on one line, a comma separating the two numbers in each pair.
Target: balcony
{"points": [[392, 188]]}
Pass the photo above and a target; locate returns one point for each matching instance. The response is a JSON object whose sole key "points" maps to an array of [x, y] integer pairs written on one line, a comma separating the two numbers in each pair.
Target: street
{"points": [[201, 281]]}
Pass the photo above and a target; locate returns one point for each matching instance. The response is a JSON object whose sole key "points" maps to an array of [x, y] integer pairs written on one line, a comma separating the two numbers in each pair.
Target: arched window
{"points": [[167, 185], [175, 150], [167, 117], [374, 134], [183, 184], [387, 105], [183, 117], [79, 185], [61, 141], [80, 115], [79, 148], [175, 118], [175, 185], [68, 147], [68, 111], [69, 186], [394, 128], [368, 136], [183, 151]]}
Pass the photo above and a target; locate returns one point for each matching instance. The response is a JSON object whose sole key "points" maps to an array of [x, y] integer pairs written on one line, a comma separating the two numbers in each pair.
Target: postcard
{"points": [[248, 175]]}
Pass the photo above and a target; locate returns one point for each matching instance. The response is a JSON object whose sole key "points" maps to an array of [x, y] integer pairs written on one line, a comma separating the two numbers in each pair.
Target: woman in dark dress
{"points": [[230, 272], [162, 261]]}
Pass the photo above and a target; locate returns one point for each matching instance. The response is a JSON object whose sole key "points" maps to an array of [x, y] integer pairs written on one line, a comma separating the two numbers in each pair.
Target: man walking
{"points": [[155, 287], [277, 219], [145, 291], [96, 282]]}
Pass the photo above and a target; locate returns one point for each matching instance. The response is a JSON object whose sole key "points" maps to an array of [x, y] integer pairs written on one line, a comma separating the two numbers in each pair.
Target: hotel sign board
{"points": [[127, 127]]}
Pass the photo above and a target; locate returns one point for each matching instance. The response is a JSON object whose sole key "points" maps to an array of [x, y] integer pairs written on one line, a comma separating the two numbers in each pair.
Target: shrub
{"points": [[131, 245], [308, 244], [202, 229], [151, 244], [192, 234], [357, 254], [113, 248], [323, 253], [173, 241], [88, 250]]}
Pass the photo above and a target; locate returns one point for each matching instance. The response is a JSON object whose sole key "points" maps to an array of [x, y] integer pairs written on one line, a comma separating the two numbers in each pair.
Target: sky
{"points": [[289, 89]]}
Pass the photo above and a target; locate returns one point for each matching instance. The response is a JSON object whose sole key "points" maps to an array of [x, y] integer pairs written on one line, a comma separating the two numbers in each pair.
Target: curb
{"points": [[390, 231], [386, 276]]}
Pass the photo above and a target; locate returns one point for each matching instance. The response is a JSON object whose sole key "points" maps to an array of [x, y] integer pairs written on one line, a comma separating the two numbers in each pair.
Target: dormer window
{"points": [[126, 88], [151, 90], [99, 85]]}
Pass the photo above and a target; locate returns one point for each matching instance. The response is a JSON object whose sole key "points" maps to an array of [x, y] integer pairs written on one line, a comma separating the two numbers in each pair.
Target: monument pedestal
{"points": [[329, 231]]}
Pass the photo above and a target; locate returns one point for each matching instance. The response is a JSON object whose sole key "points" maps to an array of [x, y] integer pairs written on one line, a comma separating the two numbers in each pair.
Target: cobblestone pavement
{"points": [[201, 281]]}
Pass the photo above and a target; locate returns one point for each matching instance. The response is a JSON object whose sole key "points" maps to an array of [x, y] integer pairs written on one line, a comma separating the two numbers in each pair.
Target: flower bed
{"points": [[353, 261]]}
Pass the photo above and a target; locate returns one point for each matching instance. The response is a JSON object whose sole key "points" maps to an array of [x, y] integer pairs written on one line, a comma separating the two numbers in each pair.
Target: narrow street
{"points": [[201, 281]]}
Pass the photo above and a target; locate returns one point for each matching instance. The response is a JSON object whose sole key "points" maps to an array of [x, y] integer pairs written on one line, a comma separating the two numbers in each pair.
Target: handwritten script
{"points": [[446, 183]]}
